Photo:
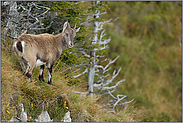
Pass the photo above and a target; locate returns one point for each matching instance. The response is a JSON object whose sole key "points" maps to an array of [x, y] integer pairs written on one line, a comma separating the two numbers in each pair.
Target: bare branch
{"points": [[42, 28], [86, 70], [83, 52], [110, 62], [82, 93], [20, 23], [110, 93]]}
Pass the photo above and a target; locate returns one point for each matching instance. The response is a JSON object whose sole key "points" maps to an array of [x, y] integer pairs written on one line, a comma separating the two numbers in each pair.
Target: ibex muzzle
{"points": [[38, 50]]}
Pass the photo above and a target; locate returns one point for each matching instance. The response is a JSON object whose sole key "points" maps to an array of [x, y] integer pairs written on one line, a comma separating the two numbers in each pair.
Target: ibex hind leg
{"points": [[30, 67], [23, 63], [27, 74]]}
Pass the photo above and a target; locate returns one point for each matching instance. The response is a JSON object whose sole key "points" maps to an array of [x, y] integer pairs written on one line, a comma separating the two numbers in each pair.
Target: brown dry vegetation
{"points": [[35, 96]]}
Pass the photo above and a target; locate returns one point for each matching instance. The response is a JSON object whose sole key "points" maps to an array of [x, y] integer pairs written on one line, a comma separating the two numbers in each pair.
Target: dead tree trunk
{"points": [[91, 71]]}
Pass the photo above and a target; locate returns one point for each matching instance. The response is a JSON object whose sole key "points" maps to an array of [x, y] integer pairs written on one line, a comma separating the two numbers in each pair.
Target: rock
{"points": [[14, 120], [23, 115], [44, 117], [67, 117]]}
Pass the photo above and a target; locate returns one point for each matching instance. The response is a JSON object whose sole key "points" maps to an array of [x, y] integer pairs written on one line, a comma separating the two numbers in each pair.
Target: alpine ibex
{"points": [[37, 50]]}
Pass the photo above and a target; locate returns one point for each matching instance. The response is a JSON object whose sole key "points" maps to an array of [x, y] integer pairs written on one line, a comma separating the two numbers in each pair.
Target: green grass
{"points": [[56, 99]]}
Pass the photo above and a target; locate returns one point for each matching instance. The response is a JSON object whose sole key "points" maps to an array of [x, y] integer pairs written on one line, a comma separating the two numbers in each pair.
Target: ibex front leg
{"points": [[41, 69], [49, 70], [49, 75]]}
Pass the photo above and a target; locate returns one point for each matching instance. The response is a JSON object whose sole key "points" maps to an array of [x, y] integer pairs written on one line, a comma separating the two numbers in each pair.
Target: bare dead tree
{"points": [[98, 80], [23, 17]]}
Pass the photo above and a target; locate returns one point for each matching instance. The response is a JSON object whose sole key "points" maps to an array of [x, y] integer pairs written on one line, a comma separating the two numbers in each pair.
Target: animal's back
{"points": [[44, 42], [40, 39]]}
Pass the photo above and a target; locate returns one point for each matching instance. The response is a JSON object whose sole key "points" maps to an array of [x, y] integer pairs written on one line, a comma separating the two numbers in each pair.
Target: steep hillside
{"points": [[56, 99]]}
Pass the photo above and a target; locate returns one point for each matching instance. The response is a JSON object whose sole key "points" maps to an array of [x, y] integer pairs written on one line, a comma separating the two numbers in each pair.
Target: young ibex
{"points": [[37, 50]]}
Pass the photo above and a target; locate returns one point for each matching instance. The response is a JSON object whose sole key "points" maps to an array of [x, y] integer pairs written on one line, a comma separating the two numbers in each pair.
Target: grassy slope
{"points": [[35, 96], [150, 57]]}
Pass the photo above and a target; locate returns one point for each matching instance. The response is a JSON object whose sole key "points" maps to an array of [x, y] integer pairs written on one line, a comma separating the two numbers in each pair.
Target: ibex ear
{"points": [[65, 26], [68, 25], [75, 26], [77, 29]]}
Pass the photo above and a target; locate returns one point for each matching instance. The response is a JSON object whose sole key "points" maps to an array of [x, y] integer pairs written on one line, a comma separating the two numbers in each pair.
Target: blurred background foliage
{"points": [[148, 38]]}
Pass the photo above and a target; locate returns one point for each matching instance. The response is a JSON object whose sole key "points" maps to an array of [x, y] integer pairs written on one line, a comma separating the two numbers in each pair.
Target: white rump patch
{"points": [[39, 63], [18, 52], [23, 45], [15, 44]]}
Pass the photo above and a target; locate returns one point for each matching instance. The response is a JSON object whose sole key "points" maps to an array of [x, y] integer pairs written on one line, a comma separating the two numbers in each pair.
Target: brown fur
{"points": [[44, 47]]}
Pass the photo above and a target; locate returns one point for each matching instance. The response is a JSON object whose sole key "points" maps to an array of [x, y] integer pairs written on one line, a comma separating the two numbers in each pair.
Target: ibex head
{"points": [[69, 34]]}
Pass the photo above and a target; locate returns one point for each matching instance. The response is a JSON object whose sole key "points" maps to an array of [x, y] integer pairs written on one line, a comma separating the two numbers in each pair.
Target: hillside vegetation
{"points": [[56, 99], [148, 38]]}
